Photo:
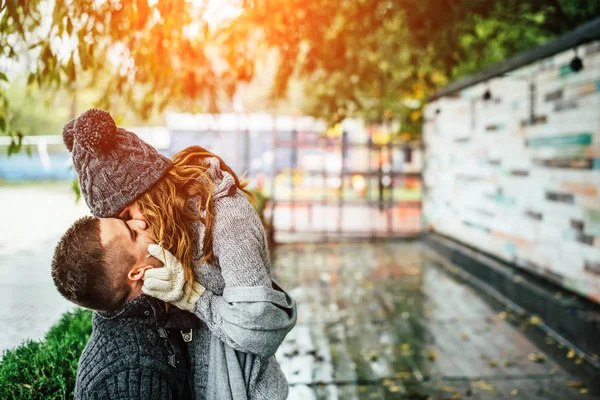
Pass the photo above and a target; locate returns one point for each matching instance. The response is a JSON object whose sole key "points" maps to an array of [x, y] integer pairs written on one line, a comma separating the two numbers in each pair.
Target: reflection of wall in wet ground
{"points": [[361, 307], [398, 280], [380, 320]]}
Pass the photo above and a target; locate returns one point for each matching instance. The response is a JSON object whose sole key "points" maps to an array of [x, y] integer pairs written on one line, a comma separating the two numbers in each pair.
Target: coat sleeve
{"points": [[252, 315]]}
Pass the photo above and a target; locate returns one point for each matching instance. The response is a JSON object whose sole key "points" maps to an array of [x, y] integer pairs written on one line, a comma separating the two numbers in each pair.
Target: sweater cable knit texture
{"points": [[113, 165], [136, 353]]}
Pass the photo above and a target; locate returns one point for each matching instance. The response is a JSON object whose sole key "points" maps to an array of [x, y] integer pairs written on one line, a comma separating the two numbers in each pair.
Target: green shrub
{"points": [[260, 202], [47, 369]]}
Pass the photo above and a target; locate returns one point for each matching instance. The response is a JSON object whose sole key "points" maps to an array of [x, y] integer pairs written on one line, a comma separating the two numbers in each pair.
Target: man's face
{"points": [[132, 237]]}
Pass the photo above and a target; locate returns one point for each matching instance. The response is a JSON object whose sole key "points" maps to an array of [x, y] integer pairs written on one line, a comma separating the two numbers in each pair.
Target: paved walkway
{"points": [[380, 321], [32, 219]]}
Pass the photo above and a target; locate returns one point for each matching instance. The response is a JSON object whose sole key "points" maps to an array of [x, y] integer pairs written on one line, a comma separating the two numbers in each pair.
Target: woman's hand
{"points": [[168, 283]]}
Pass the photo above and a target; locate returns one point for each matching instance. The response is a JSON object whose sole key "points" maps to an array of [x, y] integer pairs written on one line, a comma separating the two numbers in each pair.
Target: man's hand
{"points": [[168, 283]]}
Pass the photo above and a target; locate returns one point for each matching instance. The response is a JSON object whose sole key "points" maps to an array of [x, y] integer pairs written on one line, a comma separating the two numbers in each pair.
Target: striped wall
{"points": [[512, 168]]}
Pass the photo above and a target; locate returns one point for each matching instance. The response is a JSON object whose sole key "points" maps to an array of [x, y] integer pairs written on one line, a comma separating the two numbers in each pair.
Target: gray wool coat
{"points": [[252, 321], [246, 315]]}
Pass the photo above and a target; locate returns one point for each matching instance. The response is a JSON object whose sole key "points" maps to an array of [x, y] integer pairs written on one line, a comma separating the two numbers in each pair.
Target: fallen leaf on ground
{"points": [[449, 389], [574, 384], [483, 385], [535, 320], [395, 388], [537, 357]]}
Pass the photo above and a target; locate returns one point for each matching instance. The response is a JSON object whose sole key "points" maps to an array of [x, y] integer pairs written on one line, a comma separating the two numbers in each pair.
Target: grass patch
{"points": [[47, 369]]}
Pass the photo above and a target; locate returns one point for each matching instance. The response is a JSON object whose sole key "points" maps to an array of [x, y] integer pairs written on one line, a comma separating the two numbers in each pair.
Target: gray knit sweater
{"points": [[136, 352], [239, 307]]}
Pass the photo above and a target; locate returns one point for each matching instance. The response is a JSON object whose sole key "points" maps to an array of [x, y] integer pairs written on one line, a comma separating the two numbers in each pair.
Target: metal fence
{"points": [[347, 182]]}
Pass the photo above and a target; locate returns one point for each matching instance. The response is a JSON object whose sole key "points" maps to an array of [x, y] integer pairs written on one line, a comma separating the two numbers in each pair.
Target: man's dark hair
{"points": [[87, 273]]}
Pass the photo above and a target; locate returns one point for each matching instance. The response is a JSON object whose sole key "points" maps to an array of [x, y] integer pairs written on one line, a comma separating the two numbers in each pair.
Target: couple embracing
{"points": [[176, 266]]}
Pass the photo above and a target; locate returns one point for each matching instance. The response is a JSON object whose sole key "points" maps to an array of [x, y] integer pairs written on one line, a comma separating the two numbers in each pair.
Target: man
{"points": [[137, 348]]}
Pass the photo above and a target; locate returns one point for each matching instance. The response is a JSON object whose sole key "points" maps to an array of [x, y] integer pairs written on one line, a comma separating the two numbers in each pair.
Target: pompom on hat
{"points": [[114, 166], [68, 131], [95, 131]]}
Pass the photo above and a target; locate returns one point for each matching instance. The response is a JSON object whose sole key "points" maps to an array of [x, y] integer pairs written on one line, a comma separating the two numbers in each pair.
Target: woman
{"points": [[215, 253]]}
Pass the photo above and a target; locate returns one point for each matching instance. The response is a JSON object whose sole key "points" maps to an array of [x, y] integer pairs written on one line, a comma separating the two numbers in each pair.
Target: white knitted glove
{"points": [[168, 283], [191, 294]]}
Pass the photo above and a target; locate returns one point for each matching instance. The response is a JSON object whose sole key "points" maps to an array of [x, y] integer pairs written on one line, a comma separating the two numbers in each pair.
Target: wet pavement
{"points": [[383, 321]]}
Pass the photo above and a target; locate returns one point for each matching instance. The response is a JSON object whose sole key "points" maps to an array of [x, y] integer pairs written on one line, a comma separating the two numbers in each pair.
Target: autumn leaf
{"points": [[483, 385], [535, 320], [537, 357]]}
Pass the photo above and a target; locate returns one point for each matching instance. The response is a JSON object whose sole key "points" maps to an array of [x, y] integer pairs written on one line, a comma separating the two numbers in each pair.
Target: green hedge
{"points": [[47, 369]]}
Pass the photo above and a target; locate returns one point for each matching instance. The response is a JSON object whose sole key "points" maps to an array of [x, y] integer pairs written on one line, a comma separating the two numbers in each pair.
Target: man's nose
{"points": [[137, 224]]}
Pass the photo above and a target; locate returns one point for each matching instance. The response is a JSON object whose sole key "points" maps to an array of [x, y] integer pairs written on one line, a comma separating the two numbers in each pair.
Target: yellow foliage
{"points": [[335, 131], [438, 78], [415, 115], [418, 91], [381, 138]]}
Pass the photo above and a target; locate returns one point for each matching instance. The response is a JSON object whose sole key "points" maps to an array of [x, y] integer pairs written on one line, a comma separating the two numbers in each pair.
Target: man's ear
{"points": [[137, 272]]}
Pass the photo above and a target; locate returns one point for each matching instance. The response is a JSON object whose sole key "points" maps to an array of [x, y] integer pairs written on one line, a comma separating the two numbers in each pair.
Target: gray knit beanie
{"points": [[114, 166]]}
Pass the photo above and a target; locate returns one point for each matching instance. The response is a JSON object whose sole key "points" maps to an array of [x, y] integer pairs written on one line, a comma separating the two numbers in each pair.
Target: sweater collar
{"points": [[222, 181], [142, 306], [152, 311]]}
